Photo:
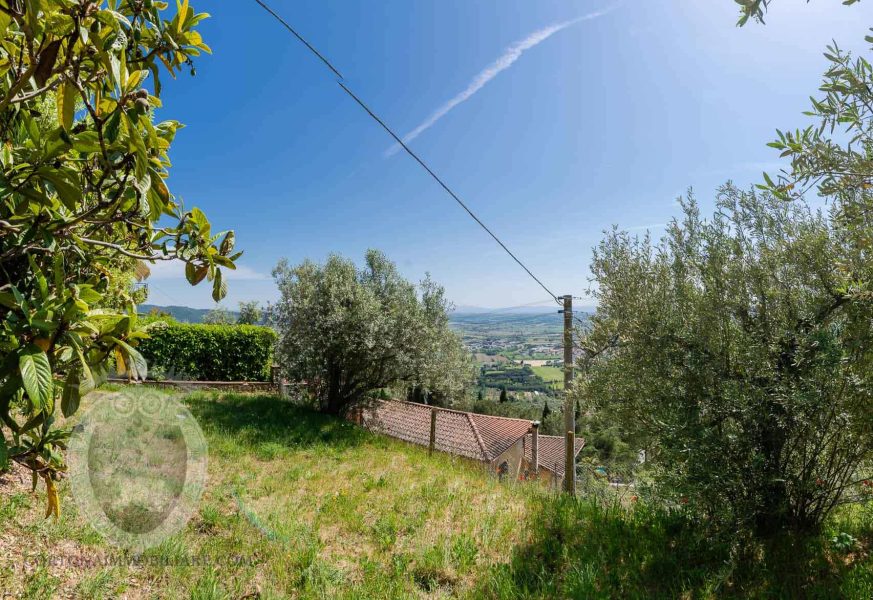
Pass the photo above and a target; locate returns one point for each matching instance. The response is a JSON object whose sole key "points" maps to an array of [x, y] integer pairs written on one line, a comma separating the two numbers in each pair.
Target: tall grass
{"points": [[301, 505], [587, 549]]}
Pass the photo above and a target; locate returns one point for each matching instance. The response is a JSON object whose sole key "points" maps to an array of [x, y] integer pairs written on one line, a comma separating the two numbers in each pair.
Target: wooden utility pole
{"points": [[569, 412]]}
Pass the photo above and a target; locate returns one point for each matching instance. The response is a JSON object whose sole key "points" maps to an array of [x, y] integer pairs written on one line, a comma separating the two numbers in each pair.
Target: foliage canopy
{"points": [[210, 352], [250, 313], [218, 316], [347, 332], [755, 9], [733, 352], [82, 190]]}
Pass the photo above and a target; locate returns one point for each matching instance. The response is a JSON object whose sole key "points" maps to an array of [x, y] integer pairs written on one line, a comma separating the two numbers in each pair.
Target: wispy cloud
{"points": [[512, 54]]}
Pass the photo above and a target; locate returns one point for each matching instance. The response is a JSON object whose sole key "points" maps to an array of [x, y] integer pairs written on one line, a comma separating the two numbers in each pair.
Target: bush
{"points": [[349, 332], [737, 353], [210, 352]]}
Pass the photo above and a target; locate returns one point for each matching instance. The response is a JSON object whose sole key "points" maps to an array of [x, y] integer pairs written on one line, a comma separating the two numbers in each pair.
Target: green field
{"points": [[514, 378], [551, 375]]}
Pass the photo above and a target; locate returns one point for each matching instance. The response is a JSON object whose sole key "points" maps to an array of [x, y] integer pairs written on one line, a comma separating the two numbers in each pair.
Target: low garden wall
{"points": [[259, 387]]}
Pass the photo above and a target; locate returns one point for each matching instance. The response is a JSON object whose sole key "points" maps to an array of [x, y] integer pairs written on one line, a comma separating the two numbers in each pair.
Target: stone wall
{"points": [[259, 387]]}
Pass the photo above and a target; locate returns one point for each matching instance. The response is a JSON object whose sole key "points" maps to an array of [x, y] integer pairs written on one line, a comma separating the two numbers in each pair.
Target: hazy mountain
{"points": [[183, 314], [462, 315], [522, 310]]}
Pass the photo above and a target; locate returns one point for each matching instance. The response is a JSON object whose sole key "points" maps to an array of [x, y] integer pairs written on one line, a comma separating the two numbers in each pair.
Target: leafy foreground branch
{"points": [[82, 170]]}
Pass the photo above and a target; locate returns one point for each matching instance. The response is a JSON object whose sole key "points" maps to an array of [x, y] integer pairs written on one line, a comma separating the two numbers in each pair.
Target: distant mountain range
{"points": [[183, 314], [543, 309], [461, 315], [517, 310]]}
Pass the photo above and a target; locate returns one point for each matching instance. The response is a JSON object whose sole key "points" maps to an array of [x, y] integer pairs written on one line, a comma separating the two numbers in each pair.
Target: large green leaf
{"points": [[113, 125], [227, 243], [36, 373], [198, 217], [66, 101], [219, 287], [5, 20], [68, 192], [194, 273], [72, 395], [135, 364], [138, 147]]}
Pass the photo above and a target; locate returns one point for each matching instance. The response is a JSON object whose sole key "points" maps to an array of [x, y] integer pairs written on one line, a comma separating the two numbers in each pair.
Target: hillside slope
{"points": [[297, 505], [300, 505]]}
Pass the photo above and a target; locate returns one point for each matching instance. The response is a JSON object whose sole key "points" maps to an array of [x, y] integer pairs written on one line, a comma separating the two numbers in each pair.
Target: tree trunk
{"points": [[774, 511], [333, 403]]}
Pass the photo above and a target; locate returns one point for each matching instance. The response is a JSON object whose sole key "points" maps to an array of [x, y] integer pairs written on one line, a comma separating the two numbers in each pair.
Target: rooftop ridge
{"points": [[459, 412], [479, 439]]}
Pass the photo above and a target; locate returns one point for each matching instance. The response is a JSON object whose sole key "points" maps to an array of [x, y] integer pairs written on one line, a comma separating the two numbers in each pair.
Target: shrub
{"points": [[349, 332], [210, 352], [735, 352]]}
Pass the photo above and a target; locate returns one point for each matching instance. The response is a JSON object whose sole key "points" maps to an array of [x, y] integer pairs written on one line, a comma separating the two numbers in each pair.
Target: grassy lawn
{"points": [[551, 375], [297, 505], [300, 505]]}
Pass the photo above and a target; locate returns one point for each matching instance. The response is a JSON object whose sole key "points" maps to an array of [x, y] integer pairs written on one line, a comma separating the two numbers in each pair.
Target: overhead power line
{"points": [[445, 187], [406, 148]]}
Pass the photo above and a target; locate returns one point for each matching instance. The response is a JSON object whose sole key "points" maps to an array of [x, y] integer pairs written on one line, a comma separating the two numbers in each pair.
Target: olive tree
{"points": [[250, 313], [346, 331], [83, 197], [734, 352], [218, 315]]}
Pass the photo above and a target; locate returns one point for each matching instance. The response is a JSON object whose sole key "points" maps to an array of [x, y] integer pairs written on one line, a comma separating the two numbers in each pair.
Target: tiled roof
{"points": [[456, 435], [480, 437], [551, 452], [411, 422], [498, 433]]}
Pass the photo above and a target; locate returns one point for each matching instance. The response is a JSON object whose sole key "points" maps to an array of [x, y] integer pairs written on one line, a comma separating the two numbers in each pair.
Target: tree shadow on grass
{"points": [[585, 550], [256, 420]]}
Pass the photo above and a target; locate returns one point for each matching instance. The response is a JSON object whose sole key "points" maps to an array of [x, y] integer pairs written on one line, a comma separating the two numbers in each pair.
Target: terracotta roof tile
{"points": [[551, 450], [456, 435], [499, 433], [480, 437], [411, 422]]}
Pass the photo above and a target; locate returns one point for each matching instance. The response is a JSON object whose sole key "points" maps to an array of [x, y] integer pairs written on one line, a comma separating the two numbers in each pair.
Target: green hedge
{"points": [[209, 352]]}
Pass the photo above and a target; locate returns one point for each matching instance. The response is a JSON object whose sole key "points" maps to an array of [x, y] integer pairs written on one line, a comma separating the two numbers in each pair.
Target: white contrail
{"points": [[512, 54]]}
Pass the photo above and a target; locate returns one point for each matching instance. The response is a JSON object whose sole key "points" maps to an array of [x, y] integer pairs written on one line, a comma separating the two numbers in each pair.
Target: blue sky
{"points": [[603, 121]]}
